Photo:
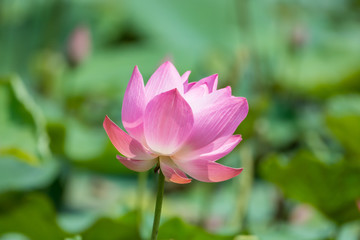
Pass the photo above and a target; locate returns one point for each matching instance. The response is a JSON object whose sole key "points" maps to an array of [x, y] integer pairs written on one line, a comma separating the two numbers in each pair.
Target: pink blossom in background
{"points": [[185, 126], [79, 44], [301, 214]]}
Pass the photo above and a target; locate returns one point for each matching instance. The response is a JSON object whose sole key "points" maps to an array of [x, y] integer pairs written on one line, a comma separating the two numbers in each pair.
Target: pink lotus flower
{"points": [[185, 127]]}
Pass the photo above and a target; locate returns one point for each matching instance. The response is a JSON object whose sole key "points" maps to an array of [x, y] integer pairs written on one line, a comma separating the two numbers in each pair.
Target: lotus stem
{"points": [[159, 199]]}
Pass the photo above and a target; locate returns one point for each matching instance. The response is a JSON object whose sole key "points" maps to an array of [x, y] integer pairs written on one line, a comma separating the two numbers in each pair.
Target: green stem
{"points": [[159, 199]]}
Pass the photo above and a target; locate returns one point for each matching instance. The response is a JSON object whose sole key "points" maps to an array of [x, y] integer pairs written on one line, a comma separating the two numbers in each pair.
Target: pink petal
{"points": [[211, 152], [134, 106], [194, 95], [208, 171], [210, 81], [137, 165], [165, 78], [171, 172], [125, 144], [185, 77], [188, 86], [220, 119], [208, 100], [168, 122]]}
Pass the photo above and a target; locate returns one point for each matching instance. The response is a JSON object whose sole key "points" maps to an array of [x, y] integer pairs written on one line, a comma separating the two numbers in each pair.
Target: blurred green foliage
{"points": [[21, 119], [177, 229], [330, 187], [65, 64], [31, 215]]}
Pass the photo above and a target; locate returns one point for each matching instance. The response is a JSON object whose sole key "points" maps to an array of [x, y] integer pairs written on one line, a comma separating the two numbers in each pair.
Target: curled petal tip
{"points": [[178, 179], [185, 76], [171, 172], [228, 89], [106, 122], [208, 171]]}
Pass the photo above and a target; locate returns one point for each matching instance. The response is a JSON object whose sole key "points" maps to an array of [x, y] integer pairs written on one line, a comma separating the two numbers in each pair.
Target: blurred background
{"points": [[65, 64]]}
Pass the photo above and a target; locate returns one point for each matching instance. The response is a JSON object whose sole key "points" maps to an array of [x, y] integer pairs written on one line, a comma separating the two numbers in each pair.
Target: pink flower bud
{"points": [[79, 44]]}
